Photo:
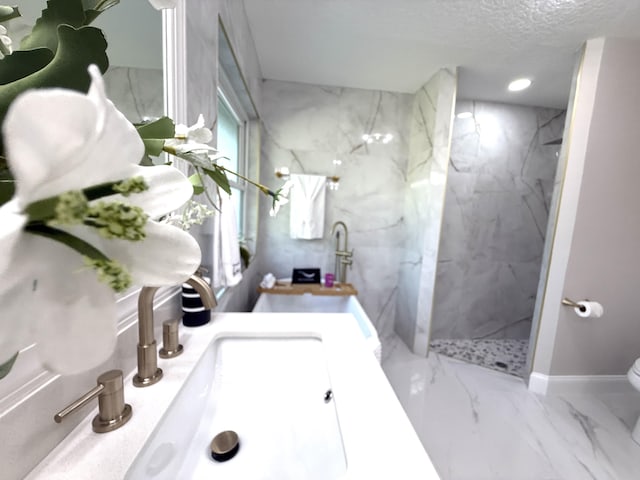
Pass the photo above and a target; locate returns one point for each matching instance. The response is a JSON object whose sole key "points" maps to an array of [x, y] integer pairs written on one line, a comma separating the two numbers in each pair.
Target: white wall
{"points": [[595, 247], [424, 192]]}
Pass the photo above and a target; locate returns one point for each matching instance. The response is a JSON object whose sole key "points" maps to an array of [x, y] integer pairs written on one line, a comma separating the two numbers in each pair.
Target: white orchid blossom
{"points": [[5, 43], [280, 198], [196, 133], [60, 143], [161, 4]]}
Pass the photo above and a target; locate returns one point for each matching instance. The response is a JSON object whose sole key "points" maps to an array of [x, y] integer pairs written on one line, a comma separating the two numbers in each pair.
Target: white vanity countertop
{"points": [[378, 438]]}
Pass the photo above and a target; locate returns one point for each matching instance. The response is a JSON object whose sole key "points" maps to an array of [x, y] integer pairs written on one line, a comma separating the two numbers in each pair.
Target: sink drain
{"points": [[224, 446], [501, 364]]}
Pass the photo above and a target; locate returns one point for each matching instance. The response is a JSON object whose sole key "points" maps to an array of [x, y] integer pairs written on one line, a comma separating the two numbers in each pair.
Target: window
{"points": [[232, 142]]}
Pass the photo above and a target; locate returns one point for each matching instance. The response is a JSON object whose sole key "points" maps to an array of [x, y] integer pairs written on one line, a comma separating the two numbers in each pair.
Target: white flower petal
{"points": [[76, 321], [168, 256], [198, 133], [16, 306], [181, 130], [82, 140], [168, 190], [201, 135], [11, 223], [195, 148]]}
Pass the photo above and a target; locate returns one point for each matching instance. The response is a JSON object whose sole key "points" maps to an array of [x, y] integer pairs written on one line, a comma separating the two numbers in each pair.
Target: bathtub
{"points": [[272, 302]]}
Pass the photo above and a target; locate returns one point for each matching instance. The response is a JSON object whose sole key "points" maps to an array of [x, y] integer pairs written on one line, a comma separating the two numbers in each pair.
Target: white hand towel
{"points": [[227, 270], [307, 200]]}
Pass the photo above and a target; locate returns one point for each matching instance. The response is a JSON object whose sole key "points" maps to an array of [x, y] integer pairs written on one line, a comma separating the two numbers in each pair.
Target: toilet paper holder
{"points": [[570, 303]]}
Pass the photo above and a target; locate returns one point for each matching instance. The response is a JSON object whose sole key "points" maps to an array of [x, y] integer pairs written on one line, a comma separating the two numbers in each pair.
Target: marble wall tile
{"points": [[307, 127], [428, 146], [495, 217], [137, 92]]}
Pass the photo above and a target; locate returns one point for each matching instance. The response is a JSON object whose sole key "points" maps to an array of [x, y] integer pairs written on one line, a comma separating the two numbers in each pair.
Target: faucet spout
{"points": [[343, 255], [148, 371], [334, 230], [204, 290]]}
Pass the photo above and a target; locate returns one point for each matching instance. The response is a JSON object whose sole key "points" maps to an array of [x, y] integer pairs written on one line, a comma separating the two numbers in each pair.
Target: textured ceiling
{"points": [[396, 45]]}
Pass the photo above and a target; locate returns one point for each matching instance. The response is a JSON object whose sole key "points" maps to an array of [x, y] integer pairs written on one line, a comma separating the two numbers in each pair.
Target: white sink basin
{"points": [[263, 375], [271, 391]]}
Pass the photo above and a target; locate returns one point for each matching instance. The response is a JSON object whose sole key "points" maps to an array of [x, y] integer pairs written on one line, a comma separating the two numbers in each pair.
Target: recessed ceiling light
{"points": [[464, 115], [519, 84]]}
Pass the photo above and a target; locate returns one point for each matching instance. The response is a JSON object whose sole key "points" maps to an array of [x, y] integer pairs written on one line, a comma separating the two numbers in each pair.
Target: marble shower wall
{"points": [[430, 136], [499, 190], [306, 127]]}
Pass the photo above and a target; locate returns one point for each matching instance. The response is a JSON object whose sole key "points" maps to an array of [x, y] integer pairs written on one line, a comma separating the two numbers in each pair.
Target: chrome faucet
{"points": [[343, 255], [148, 371]]}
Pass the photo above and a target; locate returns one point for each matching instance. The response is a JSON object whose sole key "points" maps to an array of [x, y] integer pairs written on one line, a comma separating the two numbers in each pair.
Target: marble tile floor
{"points": [[479, 424], [504, 355]]}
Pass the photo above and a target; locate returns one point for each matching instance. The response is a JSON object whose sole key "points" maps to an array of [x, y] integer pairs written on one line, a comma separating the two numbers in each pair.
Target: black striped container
{"points": [[193, 312]]}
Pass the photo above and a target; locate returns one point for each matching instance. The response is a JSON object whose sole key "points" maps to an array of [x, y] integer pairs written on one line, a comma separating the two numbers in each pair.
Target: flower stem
{"points": [[71, 241], [262, 188]]}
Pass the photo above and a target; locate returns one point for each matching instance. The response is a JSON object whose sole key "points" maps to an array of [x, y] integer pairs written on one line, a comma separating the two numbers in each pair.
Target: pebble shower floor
{"points": [[508, 356]]}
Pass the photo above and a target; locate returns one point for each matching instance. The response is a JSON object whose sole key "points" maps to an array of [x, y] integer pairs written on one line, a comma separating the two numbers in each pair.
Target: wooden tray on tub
{"points": [[338, 289]]}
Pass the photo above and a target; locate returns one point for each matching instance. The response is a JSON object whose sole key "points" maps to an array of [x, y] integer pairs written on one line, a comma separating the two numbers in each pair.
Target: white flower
{"points": [[59, 141], [5, 43], [198, 154], [280, 198], [194, 213], [160, 4], [196, 133]]}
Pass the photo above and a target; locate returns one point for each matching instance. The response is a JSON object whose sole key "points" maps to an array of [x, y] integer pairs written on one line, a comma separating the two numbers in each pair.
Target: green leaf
{"points": [[45, 31], [5, 368], [23, 63], [160, 128], [92, 13], [155, 133], [196, 181], [78, 48], [153, 146], [7, 13], [220, 178], [245, 254]]}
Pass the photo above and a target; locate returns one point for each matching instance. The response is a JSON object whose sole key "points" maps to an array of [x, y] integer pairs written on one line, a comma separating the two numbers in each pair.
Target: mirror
{"points": [[134, 81]]}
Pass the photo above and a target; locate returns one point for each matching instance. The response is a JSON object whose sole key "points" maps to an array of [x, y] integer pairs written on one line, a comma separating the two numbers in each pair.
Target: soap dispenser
{"points": [[194, 314]]}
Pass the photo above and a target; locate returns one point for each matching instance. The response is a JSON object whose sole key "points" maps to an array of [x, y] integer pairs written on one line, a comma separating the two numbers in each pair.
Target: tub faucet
{"points": [[148, 371], [343, 255]]}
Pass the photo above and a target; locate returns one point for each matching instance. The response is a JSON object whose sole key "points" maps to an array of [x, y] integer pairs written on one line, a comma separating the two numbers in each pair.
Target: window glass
{"points": [[228, 137], [231, 143]]}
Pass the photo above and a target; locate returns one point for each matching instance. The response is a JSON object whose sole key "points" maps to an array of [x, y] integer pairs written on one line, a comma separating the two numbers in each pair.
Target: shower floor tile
{"points": [[508, 356]]}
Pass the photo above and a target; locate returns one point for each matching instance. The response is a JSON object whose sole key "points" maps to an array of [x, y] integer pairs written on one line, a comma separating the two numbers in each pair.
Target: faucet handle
{"points": [[112, 411], [170, 341]]}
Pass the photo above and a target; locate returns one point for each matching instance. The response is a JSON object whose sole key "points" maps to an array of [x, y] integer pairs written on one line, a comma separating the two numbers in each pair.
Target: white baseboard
{"points": [[572, 384]]}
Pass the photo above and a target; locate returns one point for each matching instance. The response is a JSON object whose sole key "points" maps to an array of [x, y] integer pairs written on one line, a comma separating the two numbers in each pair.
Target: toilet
{"points": [[634, 378]]}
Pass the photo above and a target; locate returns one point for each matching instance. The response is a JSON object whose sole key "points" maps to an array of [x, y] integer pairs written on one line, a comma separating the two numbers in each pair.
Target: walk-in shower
{"points": [[500, 182]]}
